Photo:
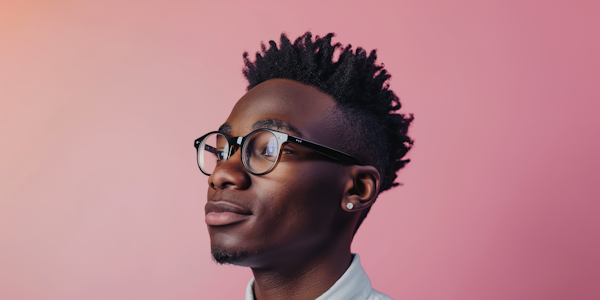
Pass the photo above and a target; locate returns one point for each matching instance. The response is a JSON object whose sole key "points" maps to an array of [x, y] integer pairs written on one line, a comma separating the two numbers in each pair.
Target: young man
{"points": [[297, 165]]}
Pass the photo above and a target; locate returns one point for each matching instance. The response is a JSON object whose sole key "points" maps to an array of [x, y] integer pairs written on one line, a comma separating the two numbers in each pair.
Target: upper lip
{"points": [[225, 206]]}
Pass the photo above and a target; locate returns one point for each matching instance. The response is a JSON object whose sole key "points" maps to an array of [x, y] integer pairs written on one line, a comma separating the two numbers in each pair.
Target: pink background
{"points": [[100, 101]]}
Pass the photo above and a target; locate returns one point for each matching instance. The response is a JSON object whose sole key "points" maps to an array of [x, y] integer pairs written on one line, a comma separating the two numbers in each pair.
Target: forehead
{"points": [[277, 103]]}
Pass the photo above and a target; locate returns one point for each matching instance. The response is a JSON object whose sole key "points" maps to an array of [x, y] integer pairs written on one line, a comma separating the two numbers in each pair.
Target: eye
{"points": [[221, 154], [271, 149], [221, 149], [261, 148], [287, 150], [265, 147]]}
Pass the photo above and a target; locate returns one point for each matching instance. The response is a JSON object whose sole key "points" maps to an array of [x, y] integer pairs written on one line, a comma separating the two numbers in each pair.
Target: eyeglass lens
{"points": [[259, 152], [212, 152]]}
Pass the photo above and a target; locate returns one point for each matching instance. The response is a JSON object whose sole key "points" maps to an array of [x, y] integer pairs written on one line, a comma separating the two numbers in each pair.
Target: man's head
{"points": [[300, 208], [372, 131]]}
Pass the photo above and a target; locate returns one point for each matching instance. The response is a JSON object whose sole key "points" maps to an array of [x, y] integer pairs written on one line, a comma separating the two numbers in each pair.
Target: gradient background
{"points": [[100, 101]]}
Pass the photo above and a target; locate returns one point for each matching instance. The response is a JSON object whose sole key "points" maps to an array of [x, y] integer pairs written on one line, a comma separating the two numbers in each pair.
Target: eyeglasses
{"points": [[261, 150]]}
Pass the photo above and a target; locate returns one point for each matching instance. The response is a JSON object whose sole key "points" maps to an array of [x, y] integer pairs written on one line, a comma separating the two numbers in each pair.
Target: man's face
{"points": [[293, 211]]}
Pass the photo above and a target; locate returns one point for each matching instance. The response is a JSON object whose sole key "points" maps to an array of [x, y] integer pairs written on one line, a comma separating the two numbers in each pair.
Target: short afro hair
{"points": [[360, 87]]}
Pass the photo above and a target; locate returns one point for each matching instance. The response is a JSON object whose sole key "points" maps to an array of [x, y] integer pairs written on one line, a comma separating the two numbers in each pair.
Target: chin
{"points": [[222, 257]]}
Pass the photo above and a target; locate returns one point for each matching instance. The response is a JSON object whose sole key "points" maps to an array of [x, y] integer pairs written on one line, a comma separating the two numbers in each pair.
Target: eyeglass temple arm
{"points": [[210, 149], [232, 141], [332, 153]]}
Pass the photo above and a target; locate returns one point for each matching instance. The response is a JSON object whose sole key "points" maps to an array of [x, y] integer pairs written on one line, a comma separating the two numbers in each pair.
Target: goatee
{"points": [[228, 257]]}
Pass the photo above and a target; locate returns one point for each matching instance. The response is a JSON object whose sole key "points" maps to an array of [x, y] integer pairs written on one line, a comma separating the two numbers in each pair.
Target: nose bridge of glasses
{"points": [[234, 145]]}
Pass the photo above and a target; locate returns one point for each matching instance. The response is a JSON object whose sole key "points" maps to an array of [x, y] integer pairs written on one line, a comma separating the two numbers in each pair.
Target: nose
{"points": [[230, 174]]}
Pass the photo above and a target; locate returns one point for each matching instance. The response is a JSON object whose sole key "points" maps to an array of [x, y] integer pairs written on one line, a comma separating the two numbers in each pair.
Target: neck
{"points": [[307, 279]]}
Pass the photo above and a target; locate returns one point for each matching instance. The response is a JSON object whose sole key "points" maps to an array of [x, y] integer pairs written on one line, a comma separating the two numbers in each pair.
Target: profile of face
{"points": [[296, 209]]}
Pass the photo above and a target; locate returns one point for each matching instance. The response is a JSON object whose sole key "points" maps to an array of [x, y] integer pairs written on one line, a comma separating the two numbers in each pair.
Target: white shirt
{"points": [[353, 285]]}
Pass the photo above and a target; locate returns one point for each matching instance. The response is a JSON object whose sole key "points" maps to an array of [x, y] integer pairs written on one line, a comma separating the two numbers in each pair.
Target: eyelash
{"points": [[286, 150]]}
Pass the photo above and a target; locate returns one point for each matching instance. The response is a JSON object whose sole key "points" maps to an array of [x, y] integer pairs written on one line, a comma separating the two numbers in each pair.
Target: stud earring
{"points": [[349, 206]]}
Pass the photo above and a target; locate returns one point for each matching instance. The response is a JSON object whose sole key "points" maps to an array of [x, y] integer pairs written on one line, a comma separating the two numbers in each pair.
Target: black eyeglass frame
{"points": [[282, 138]]}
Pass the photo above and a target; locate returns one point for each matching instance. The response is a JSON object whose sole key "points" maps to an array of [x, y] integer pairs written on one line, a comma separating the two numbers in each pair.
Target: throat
{"points": [[306, 280]]}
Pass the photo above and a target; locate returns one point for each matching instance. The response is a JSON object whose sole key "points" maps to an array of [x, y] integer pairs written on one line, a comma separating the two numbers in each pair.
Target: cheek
{"points": [[319, 180], [304, 197]]}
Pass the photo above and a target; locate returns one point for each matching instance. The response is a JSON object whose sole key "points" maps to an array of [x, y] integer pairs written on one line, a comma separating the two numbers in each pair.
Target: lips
{"points": [[221, 213]]}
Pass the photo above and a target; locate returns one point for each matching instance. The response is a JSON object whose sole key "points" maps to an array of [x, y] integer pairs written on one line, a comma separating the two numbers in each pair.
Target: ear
{"points": [[362, 188]]}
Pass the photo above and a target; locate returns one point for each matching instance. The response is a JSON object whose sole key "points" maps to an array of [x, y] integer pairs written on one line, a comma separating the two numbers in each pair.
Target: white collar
{"points": [[354, 284]]}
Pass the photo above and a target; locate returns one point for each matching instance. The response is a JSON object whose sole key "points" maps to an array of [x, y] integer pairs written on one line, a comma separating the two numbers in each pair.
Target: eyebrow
{"points": [[274, 124], [225, 128]]}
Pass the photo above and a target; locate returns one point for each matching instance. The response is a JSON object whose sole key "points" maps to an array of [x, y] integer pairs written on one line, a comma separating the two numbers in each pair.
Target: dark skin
{"points": [[296, 229]]}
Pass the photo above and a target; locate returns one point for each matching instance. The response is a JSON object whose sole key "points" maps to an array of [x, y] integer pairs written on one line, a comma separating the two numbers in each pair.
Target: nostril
{"points": [[222, 178], [211, 183]]}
